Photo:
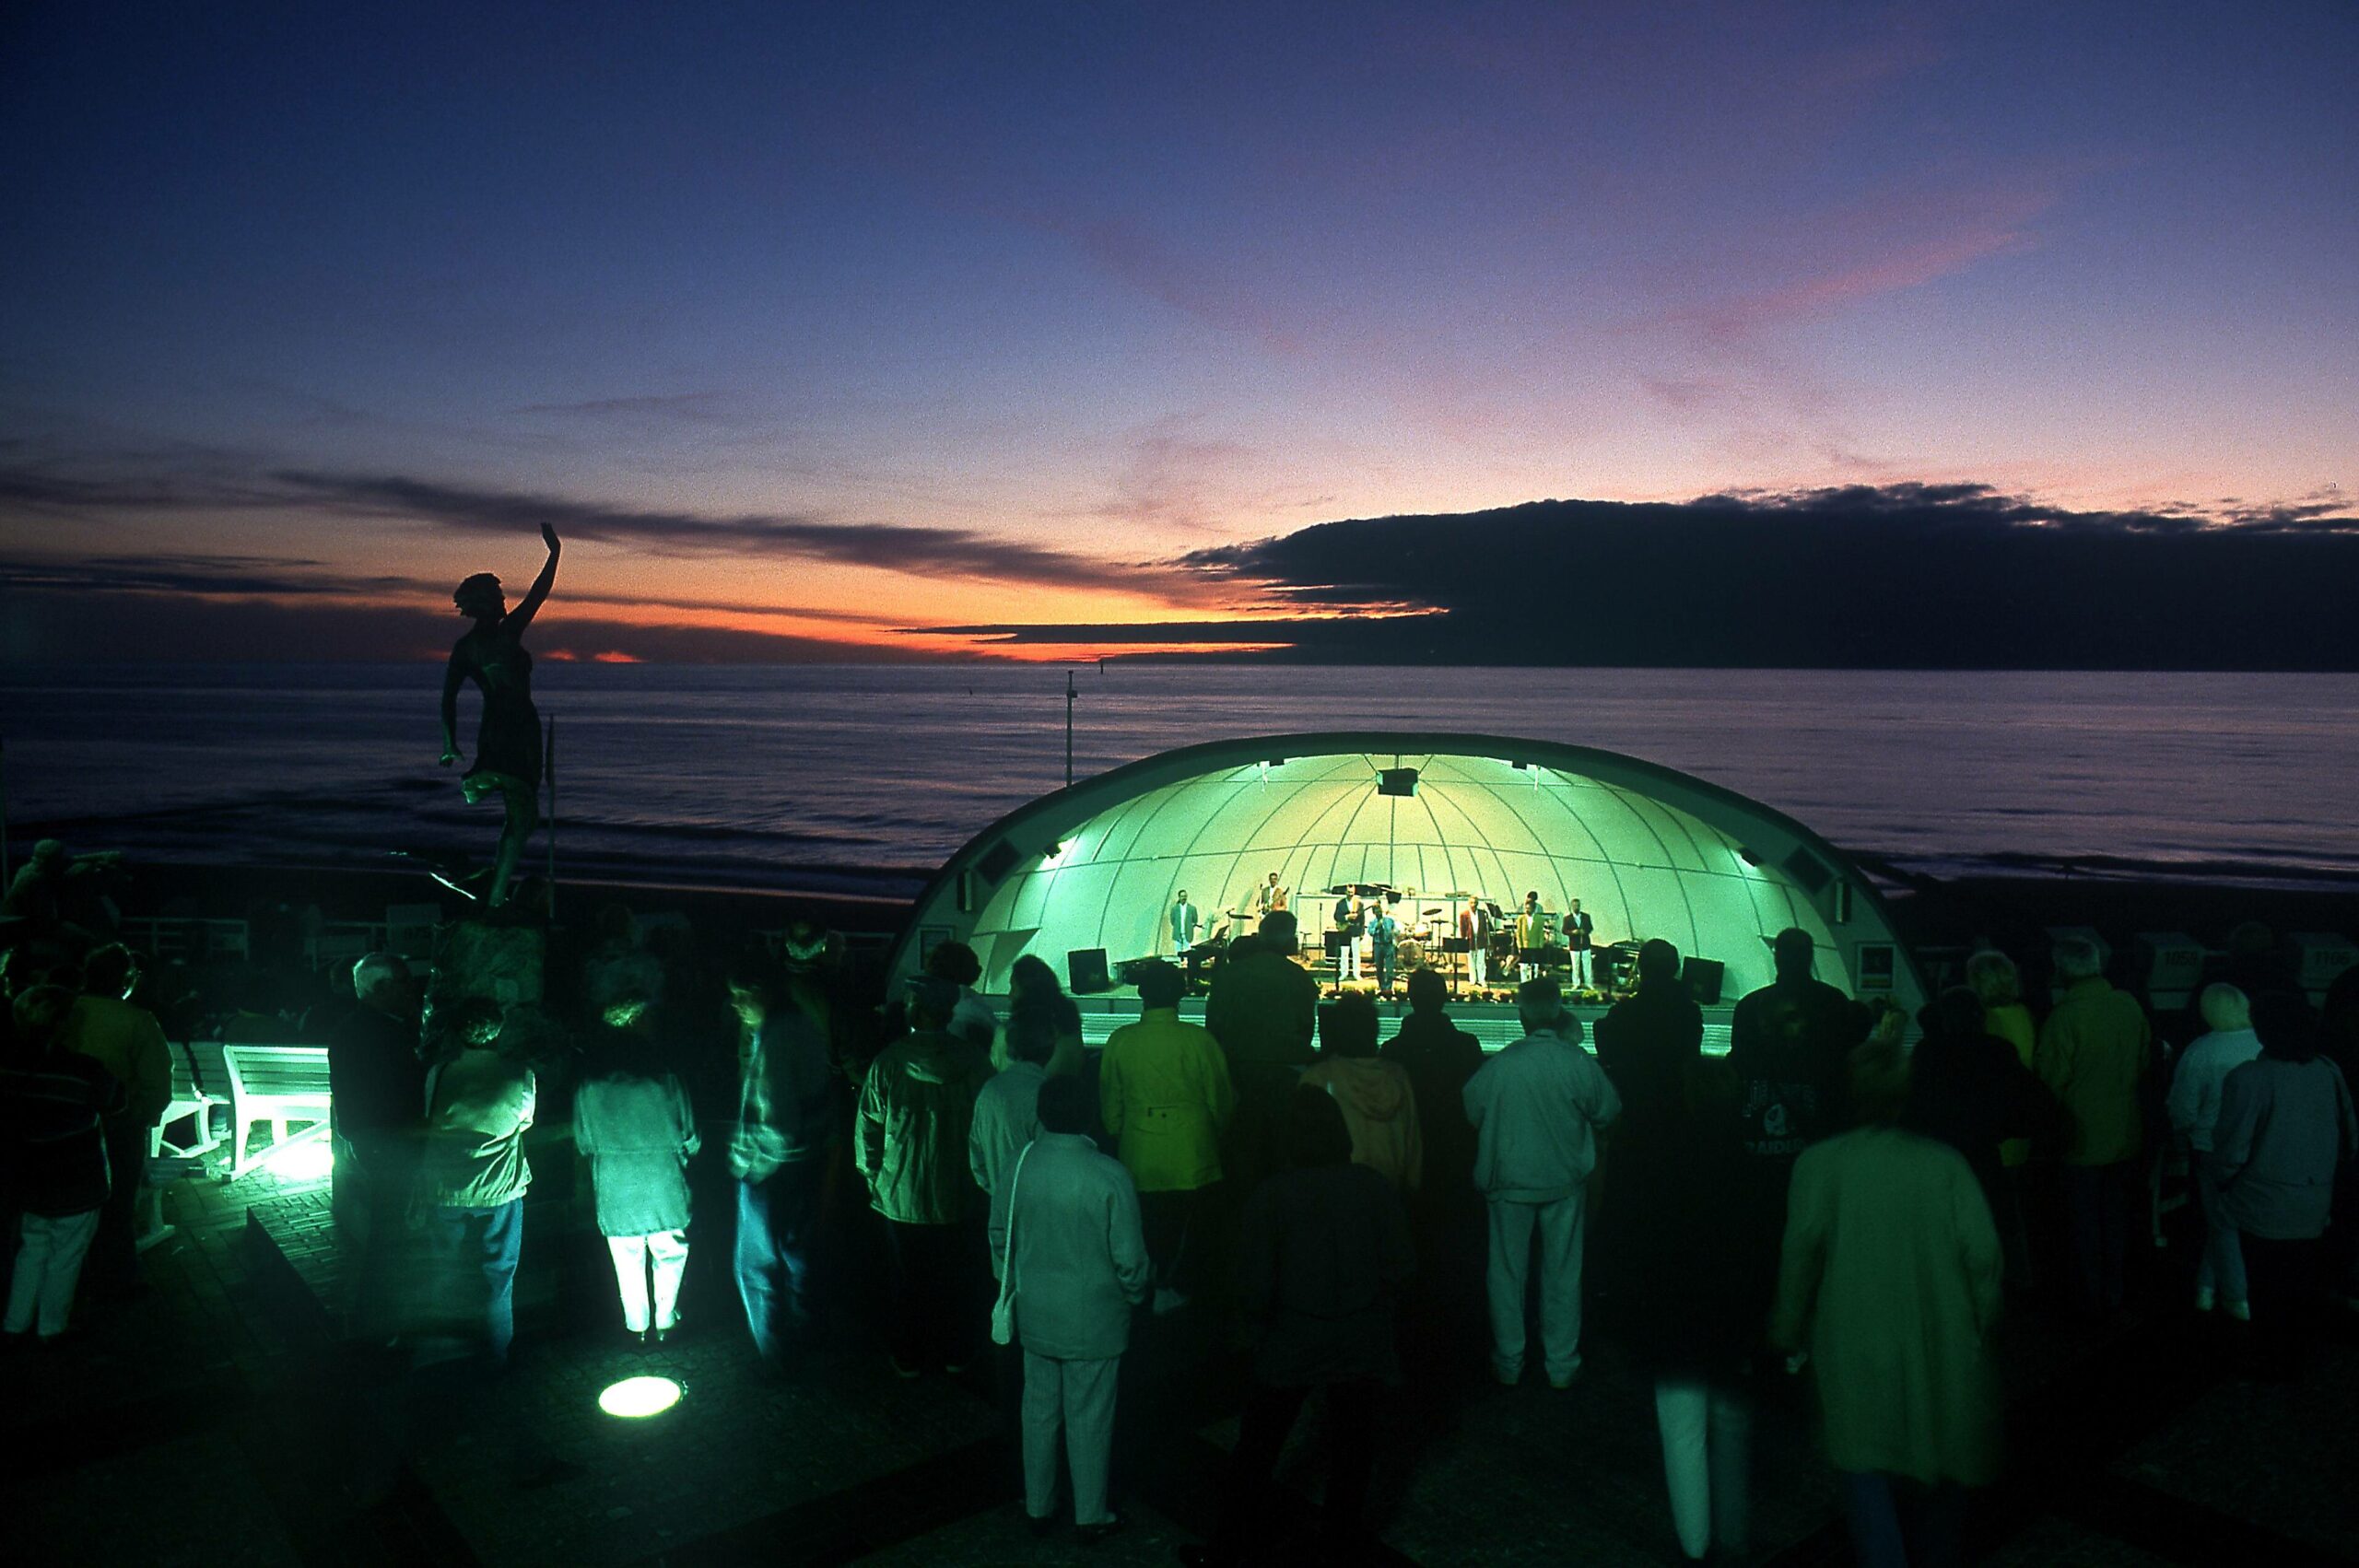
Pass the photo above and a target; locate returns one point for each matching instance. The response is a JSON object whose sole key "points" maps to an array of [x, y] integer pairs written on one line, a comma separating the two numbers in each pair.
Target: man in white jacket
{"points": [[1077, 1262], [1537, 1107]]}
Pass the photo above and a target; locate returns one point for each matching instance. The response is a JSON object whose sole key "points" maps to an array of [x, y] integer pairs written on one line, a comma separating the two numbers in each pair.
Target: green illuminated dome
{"points": [[1648, 852]]}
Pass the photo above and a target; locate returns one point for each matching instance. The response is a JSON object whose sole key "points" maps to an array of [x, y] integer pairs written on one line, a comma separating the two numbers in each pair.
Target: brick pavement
{"points": [[217, 1420]]}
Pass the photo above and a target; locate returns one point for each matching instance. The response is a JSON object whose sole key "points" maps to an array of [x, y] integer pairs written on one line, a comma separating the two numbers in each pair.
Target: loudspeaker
{"points": [[1086, 971], [1401, 781], [1702, 976], [998, 863]]}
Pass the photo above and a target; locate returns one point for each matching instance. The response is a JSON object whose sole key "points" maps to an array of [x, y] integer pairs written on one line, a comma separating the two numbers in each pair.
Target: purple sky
{"points": [[852, 319]]}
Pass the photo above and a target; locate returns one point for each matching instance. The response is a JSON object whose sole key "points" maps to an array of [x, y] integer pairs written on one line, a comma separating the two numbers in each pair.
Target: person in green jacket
{"points": [[916, 1110], [1164, 1095], [2093, 1055], [1891, 1280]]}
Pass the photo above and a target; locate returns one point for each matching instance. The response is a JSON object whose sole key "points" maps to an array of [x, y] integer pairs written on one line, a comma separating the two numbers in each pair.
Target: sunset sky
{"points": [[814, 327]]}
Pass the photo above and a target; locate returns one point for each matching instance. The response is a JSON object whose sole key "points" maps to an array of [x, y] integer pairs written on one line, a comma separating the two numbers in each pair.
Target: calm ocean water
{"points": [[835, 777]]}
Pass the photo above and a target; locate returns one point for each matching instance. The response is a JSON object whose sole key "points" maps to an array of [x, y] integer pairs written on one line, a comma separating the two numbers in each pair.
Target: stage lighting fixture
{"points": [[635, 1399], [1401, 781]]}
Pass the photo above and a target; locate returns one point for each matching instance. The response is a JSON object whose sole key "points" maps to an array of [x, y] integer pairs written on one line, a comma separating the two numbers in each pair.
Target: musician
{"points": [[1530, 936], [1268, 896], [1474, 930], [1185, 923], [1579, 929], [1347, 939], [1384, 936]]}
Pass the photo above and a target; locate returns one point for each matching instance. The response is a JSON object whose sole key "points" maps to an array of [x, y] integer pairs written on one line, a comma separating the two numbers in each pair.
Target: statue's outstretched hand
{"points": [[548, 536]]}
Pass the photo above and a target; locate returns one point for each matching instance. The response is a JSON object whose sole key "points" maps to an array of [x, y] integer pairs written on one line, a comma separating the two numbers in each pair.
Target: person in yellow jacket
{"points": [[1164, 1095]]}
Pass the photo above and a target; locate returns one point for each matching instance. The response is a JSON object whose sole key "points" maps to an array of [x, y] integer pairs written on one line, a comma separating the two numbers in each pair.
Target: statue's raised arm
{"points": [[508, 740]]}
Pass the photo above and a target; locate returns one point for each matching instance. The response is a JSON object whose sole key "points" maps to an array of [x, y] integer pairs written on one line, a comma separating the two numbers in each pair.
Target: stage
{"points": [[1492, 1022]]}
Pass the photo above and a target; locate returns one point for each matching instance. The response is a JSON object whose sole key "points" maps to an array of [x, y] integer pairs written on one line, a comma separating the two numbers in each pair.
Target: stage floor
{"points": [[1493, 1023]]}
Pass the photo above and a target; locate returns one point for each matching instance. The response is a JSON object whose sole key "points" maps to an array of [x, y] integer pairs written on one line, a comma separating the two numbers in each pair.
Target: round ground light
{"points": [[635, 1399]]}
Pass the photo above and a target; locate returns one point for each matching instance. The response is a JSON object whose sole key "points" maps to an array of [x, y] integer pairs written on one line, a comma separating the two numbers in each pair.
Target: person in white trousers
{"points": [[1537, 1107], [53, 1100], [633, 1122], [1066, 1240]]}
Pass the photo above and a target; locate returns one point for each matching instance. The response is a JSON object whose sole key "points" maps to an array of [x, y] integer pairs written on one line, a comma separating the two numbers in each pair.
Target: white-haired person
{"points": [[2194, 1107], [377, 1107], [2093, 1055], [1537, 1107]]}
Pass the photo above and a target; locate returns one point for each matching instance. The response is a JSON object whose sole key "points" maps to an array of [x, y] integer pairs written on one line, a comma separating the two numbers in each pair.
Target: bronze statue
{"points": [[508, 742]]}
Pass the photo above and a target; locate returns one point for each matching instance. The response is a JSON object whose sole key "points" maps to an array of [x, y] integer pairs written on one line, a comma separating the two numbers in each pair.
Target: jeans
{"points": [[2096, 1199], [476, 1253], [1269, 1417], [1706, 1445], [1897, 1523], [1077, 1396], [1558, 1225], [667, 1251], [2221, 1267], [49, 1263], [777, 1220]]}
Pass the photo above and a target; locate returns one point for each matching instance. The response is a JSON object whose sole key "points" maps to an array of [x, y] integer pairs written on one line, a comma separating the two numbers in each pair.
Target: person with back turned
{"points": [[1323, 1252], [53, 1103], [1066, 1240], [1829, 1022], [1890, 1279], [109, 1027], [1164, 1095], [1263, 1011], [377, 1093], [2093, 1055], [916, 1112], [1537, 1108]]}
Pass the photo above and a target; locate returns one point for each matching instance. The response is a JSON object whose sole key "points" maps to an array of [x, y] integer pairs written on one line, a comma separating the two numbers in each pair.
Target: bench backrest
{"points": [[277, 1072]]}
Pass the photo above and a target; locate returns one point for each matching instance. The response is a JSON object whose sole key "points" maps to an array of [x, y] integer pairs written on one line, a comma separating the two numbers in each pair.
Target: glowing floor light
{"points": [[634, 1398], [306, 1161]]}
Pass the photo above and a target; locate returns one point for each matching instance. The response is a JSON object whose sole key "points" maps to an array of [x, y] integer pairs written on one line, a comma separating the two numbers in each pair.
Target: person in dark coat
{"points": [[377, 1095], [1325, 1247], [1648, 1042], [1970, 1089], [1445, 1214], [1696, 1324], [1829, 1022], [52, 1105], [1648, 1045]]}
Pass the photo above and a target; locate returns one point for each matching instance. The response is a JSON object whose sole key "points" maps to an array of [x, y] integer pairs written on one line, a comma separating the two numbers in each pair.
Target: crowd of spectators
{"points": [[1827, 1200]]}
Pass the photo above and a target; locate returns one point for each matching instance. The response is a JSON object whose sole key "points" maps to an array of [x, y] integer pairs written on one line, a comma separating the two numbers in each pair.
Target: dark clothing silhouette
{"points": [[1440, 1058], [1972, 1092]]}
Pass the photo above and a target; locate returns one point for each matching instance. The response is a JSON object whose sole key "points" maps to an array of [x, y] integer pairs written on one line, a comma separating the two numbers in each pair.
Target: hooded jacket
{"points": [[1379, 1105], [916, 1113]]}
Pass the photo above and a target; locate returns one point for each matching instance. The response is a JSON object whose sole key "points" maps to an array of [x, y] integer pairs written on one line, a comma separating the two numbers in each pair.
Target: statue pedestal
{"points": [[490, 958]]}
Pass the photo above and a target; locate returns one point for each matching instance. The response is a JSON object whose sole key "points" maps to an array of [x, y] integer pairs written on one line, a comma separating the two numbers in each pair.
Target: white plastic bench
{"points": [[191, 1103], [277, 1084]]}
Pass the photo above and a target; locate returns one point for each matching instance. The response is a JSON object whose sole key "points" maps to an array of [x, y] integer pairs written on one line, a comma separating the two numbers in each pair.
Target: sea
{"points": [[865, 778]]}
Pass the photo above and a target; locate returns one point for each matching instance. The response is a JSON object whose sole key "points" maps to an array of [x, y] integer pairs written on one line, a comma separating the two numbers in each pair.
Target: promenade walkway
{"points": [[218, 1421]]}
